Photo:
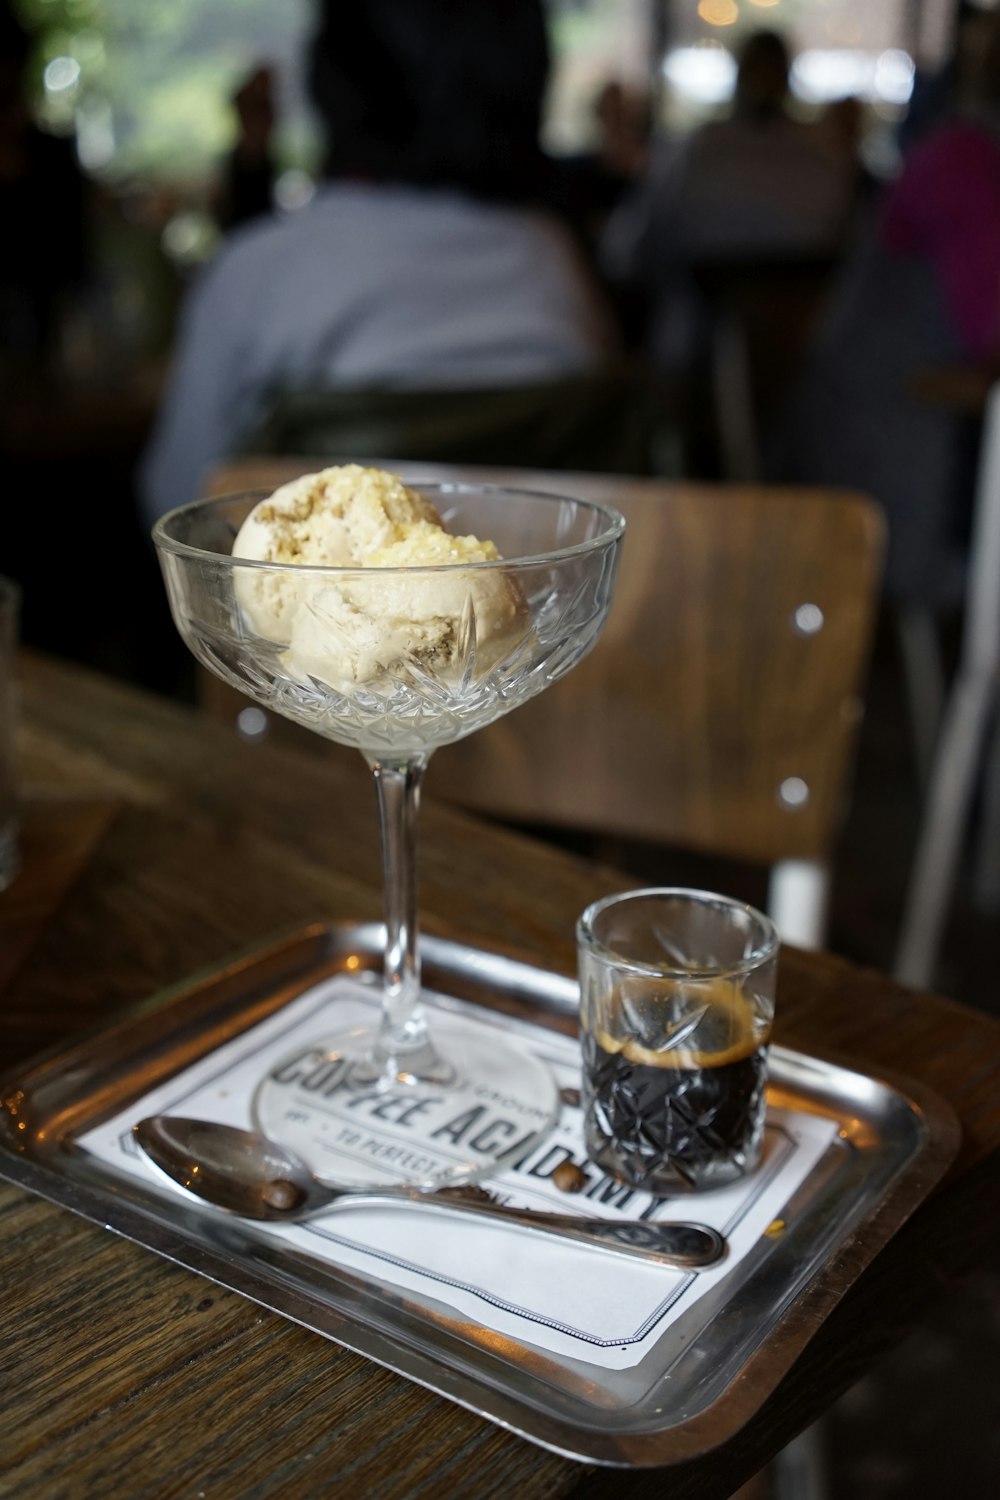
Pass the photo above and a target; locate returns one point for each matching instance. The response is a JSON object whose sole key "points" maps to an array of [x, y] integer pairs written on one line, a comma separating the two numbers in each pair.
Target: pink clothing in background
{"points": [[945, 208]]}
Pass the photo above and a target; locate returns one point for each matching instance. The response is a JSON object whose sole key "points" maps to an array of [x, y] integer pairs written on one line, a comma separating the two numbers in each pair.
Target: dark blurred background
{"points": [[138, 139], [182, 119]]}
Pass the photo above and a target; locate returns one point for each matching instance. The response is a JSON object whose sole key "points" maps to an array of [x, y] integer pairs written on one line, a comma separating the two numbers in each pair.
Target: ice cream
{"points": [[350, 629]]}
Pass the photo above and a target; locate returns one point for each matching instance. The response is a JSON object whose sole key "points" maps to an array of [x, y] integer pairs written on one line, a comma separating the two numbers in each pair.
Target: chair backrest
{"points": [[607, 421], [719, 710]]}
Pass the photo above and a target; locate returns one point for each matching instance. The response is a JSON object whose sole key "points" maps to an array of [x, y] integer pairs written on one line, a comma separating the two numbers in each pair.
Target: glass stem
{"points": [[404, 1048]]}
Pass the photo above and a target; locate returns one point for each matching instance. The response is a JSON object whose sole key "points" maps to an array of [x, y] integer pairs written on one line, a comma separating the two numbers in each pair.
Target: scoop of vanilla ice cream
{"points": [[333, 519], [349, 629]]}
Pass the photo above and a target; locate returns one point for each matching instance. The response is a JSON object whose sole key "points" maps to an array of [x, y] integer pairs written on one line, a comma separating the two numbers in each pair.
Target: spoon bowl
{"points": [[244, 1173]]}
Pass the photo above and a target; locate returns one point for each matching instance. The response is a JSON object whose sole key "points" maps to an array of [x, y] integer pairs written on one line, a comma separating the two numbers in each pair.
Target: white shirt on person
{"points": [[367, 286]]}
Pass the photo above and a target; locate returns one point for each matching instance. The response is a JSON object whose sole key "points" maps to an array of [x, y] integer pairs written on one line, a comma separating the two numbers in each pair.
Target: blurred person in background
{"points": [[591, 183], [424, 260], [44, 210], [842, 126], [942, 92], [755, 184], [921, 290], [587, 186], [73, 415], [249, 170]]}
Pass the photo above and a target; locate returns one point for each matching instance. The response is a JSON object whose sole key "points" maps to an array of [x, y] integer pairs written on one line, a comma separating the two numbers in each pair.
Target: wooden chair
{"points": [[719, 710]]}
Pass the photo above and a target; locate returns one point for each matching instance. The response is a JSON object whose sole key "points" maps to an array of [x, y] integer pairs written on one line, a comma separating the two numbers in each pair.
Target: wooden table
{"points": [[155, 843]]}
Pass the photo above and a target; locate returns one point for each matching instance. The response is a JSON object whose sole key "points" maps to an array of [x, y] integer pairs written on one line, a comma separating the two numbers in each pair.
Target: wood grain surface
{"points": [[129, 1376]]}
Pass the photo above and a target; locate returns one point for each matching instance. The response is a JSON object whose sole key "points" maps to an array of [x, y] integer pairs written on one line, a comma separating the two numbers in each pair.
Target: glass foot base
{"points": [[354, 1126]]}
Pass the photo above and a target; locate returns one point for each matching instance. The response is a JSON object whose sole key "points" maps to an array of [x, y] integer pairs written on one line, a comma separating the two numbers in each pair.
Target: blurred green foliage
{"points": [[155, 79]]}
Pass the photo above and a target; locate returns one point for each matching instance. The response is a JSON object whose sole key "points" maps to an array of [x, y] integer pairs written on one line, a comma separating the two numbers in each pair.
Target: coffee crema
{"points": [[680, 1116]]}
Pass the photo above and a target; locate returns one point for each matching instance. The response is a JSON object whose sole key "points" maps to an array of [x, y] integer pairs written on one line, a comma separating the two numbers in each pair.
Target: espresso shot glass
{"points": [[676, 1007]]}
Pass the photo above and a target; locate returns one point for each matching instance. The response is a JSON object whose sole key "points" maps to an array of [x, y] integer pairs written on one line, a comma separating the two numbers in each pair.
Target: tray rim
{"points": [[756, 1379]]}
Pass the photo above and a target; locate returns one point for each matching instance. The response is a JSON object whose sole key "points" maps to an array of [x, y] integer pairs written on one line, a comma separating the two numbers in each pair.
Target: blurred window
{"points": [[147, 87], [841, 47]]}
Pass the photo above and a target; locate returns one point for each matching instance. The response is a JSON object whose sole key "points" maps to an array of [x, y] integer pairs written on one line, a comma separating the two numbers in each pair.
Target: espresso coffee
{"points": [[681, 1117]]}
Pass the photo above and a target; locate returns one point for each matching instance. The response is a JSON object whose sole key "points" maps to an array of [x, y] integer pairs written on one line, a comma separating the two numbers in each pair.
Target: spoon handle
{"points": [[682, 1246]]}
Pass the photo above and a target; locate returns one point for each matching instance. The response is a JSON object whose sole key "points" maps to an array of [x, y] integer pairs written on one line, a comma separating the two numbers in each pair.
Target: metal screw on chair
{"points": [[808, 619], [252, 723], [793, 793]]}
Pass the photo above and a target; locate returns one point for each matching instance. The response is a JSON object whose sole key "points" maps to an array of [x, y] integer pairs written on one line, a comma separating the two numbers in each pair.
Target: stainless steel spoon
{"points": [[249, 1175]]}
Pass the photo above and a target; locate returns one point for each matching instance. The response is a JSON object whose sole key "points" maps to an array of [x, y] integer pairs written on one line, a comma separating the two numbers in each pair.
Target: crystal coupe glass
{"points": [[558, 559]]}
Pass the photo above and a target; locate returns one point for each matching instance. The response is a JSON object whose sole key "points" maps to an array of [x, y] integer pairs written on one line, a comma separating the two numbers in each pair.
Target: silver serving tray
{"points": [[709, 1373]]}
